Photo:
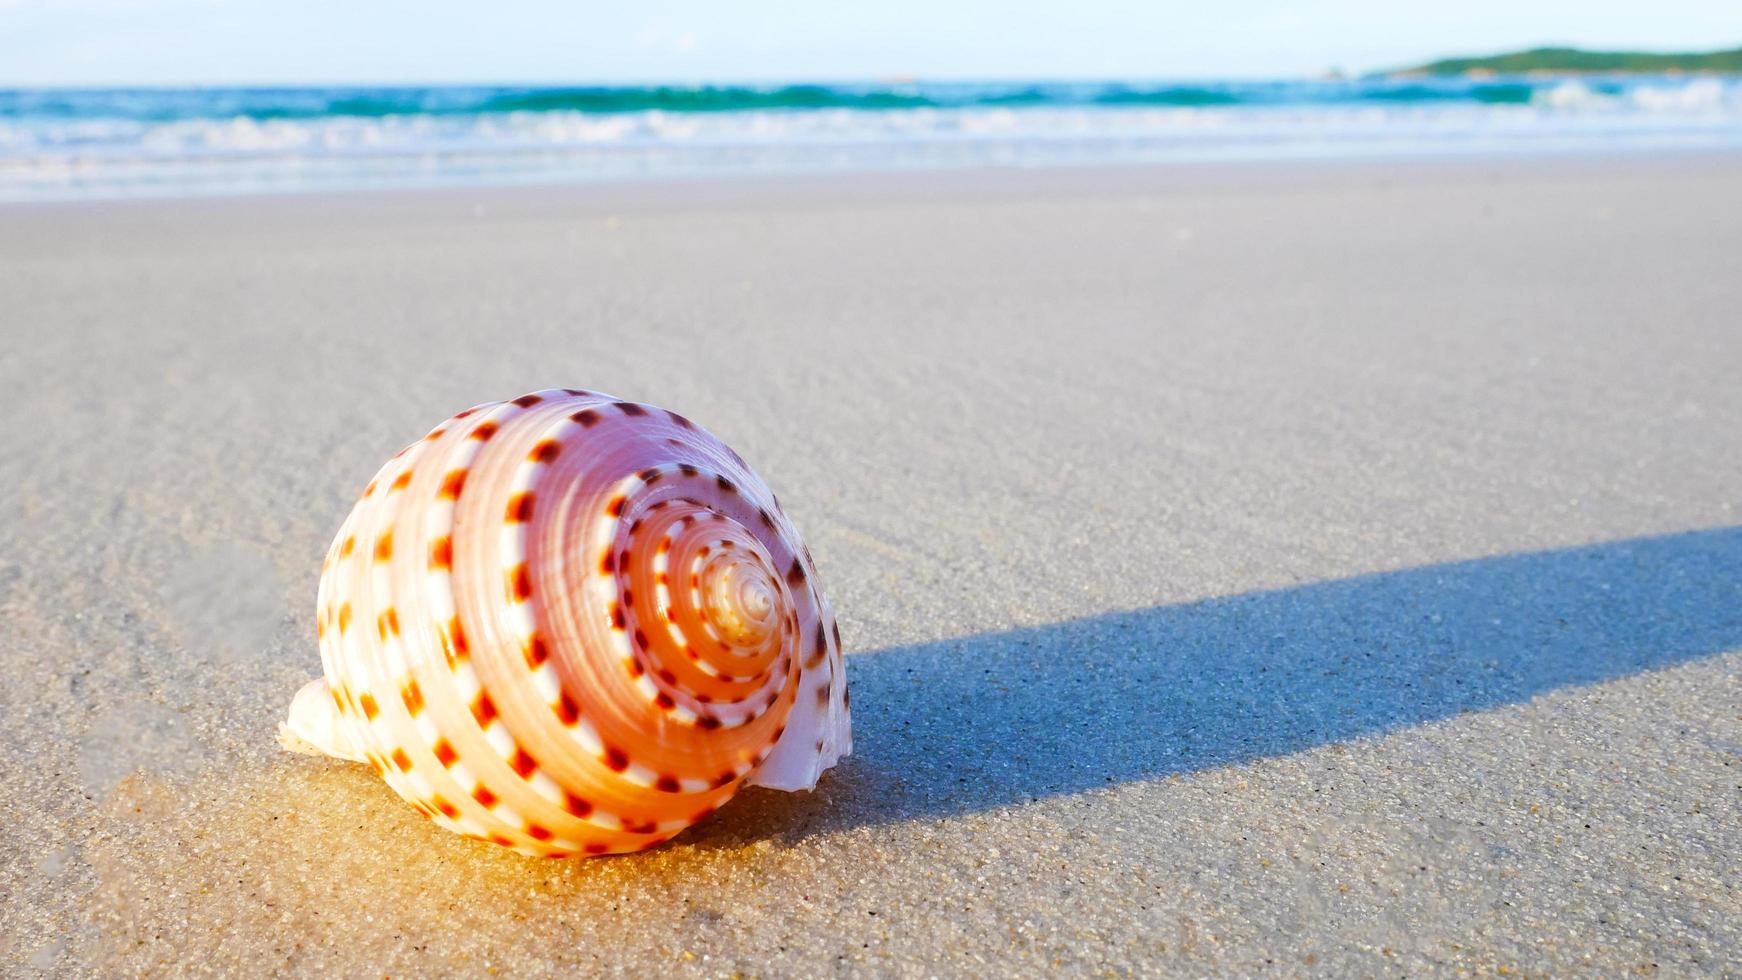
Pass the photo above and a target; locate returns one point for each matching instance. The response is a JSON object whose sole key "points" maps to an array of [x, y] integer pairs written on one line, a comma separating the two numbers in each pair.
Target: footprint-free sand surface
{"points": [[1325, 569]]}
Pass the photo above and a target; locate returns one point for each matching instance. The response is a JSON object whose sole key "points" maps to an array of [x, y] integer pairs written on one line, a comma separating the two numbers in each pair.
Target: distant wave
{"points": [[161, 105], [81, 142]]}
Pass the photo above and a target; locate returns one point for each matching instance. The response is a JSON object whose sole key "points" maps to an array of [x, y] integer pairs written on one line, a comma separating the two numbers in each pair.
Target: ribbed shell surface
{"points": [[570, 624]]}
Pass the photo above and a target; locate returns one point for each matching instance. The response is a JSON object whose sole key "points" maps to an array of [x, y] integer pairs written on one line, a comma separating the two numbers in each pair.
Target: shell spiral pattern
{"points": [[570, 624]]}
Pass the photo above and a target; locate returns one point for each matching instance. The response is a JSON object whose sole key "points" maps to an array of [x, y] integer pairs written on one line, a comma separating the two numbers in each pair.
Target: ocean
{"points": [[100, 143]]}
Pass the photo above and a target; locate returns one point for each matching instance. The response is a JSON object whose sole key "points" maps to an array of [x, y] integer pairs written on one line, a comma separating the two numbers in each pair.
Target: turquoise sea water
{"points": [[121, 142]]}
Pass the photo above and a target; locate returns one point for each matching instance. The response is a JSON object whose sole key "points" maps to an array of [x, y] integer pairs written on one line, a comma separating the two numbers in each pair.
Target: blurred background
{"points": [[108, 97]]}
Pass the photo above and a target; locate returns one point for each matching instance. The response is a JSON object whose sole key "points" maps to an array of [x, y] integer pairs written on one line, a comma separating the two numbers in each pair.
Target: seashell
{"points": [[569, 624]]}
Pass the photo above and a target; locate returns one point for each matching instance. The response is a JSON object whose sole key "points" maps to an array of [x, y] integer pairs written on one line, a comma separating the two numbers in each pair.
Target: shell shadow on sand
{"points": [[1005, 718]]}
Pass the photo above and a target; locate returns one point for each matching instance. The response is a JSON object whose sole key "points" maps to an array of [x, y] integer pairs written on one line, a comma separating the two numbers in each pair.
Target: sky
{"points": [[172, 42]]}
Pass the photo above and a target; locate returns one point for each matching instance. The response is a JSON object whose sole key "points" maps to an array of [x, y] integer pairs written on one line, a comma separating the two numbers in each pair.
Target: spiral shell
{"points": [[569, 624]]}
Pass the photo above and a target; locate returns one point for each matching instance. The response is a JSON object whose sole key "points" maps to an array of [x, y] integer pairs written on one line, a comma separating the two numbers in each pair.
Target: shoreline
{"points": [[685, 190]]}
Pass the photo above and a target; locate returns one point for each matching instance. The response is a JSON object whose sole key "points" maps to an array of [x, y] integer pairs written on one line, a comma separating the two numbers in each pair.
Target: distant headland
{"points": [[1575, 61]]}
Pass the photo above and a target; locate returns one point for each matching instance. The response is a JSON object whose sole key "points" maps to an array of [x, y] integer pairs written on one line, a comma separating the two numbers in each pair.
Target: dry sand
{"points": [[1325, 569]]}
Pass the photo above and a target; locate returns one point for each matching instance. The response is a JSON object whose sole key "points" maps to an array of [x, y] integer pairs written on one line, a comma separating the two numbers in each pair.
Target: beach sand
{"points": [[1302, 569]]}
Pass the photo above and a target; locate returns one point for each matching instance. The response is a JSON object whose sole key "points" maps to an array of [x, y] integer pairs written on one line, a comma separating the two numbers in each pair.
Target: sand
{"points": [[1324, 569]]}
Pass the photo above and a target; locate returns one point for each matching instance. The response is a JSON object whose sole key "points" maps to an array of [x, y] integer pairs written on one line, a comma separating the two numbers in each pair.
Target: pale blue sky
{"points": [[316, 41]]}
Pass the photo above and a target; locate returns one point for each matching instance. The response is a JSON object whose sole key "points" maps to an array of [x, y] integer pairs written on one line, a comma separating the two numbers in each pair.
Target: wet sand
{"points": [[1315, 570]]}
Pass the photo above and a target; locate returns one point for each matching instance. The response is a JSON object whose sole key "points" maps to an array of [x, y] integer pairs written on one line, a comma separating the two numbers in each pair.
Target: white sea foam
{"points": [[57, 156]]}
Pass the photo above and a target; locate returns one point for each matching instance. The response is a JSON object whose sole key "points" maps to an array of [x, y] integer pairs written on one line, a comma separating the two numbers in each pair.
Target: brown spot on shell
{"points": [[687, 469], [567, 711], [630, 408], [522, 763], [519, 508], [545, 451], [485, 798], [527, 401], [667, 784], [615, 509], [344, 618], [448, 809], [595, 848], [520, 583], [576, 805], [370, 708], [346, 548], [586, 417], [651, 475], [412, 695], [384, 547], [400, 482], [795, 574], [441, 553], [537, 651], [402, 760], [445, 754], [485, 430], [452, 484], [483, 710], [680, 420], [616, 759]]}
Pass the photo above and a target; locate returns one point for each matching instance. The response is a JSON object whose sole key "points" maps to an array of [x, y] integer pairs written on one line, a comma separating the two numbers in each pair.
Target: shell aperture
{"points": [[570, 624]]}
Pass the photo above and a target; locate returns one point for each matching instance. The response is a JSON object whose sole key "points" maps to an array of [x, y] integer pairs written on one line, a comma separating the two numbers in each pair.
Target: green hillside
{"points": [[1575, 60]]}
